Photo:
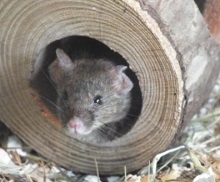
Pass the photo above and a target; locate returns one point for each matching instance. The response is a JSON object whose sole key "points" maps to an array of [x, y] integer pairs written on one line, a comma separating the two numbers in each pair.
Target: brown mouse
{"points": [[93, 95]]}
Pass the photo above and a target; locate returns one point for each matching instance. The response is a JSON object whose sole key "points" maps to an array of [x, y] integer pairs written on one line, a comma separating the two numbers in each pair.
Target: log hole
{"points": [[45, 93]]}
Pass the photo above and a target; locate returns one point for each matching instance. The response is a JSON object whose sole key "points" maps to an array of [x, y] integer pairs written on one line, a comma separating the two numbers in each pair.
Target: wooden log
{"points": [[166, 43], [211, 15]]}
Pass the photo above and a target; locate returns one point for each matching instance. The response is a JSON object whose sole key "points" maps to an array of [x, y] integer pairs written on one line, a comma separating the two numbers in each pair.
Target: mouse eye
{"points": [[98, 100], [65, 95]]}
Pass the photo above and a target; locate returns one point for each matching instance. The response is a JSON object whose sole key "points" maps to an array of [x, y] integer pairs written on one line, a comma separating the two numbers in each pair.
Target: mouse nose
{"points": [[73, 125], [75, 122]]}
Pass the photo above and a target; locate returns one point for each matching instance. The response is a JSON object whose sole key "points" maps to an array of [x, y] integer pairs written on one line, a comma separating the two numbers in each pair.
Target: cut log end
{"points": [[124, 27]]}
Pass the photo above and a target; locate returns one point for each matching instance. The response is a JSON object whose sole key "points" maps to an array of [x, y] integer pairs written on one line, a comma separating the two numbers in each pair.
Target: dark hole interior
{"points": [[40, 80], [201, 5]]}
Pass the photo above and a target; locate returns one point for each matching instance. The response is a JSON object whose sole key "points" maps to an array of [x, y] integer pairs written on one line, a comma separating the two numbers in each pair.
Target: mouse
{"points": [[94, 96]]}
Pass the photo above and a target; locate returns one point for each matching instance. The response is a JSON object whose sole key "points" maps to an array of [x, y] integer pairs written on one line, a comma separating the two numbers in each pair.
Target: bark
{"points": [[166, 43], [211, 15]]}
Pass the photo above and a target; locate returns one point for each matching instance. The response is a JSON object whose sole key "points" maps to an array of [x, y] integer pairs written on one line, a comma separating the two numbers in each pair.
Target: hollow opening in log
{"points": [[77, 47]]}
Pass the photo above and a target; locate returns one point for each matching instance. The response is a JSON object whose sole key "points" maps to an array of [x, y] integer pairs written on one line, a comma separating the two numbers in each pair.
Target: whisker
{"points": [[102, 129], [46, 99], [49, 79]]}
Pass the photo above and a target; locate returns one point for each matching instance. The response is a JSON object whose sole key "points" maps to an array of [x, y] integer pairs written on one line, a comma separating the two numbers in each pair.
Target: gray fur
{"points": [[85, 80]]}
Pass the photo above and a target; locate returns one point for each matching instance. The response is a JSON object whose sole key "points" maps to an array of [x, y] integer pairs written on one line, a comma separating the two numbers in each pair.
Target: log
{"points": [[165, 43], [211, 15]]}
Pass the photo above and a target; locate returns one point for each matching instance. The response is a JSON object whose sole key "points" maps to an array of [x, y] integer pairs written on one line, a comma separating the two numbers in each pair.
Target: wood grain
{"points": [[143, 34]]}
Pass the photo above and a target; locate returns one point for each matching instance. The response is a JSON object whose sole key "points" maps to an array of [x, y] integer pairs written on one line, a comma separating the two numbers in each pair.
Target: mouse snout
{"points": [[77, 126], [75, 122]]}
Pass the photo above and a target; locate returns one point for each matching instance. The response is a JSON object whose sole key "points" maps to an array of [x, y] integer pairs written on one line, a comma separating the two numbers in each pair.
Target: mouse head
{"points": [[91, 92]]}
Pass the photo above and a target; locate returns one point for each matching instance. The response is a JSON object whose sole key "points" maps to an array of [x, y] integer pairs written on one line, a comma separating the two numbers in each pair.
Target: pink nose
{"points": [[74, 125], [75, 122]]}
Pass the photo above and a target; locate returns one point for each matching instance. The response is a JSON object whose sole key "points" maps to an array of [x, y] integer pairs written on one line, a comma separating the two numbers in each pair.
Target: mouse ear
{"points": [[122, 83], [64, 60], [55, 72], [62, 64]]}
